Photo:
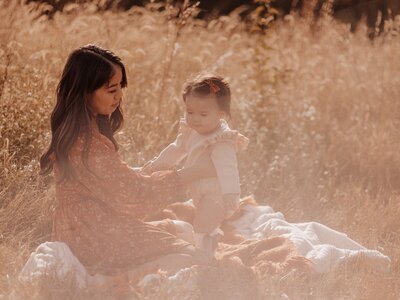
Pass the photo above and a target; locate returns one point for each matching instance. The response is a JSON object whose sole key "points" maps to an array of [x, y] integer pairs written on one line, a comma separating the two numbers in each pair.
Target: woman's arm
{"points": [[113, 182]]}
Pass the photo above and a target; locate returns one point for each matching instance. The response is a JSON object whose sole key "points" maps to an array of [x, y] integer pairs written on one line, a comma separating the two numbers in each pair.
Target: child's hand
{"points": [[147, 169], [160, 174]]}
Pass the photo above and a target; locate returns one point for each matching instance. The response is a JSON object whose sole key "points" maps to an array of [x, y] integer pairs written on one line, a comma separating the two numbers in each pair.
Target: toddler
{"points": [[203, 131]]}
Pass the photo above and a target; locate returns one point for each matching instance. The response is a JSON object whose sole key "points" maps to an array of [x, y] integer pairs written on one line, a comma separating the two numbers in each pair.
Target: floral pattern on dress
{"points": [[99, 213]]}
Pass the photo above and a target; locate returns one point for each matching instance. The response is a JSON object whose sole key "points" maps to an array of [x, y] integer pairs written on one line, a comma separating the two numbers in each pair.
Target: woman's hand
{"points": [[203, 168]]}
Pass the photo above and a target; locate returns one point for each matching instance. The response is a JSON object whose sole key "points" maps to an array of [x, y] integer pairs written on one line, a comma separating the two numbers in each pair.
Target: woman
{"points": [[101, 202]]}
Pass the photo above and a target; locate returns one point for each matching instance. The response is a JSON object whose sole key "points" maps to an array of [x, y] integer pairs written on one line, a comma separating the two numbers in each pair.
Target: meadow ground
{"points": [[321, 107]]}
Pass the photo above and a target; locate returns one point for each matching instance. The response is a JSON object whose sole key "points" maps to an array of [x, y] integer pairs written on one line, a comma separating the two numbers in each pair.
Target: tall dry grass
{"points": [[321, 108]]}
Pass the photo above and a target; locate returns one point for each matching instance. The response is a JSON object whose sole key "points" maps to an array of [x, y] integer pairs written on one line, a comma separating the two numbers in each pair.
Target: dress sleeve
{"points": [[111, 181], [223, 156]]}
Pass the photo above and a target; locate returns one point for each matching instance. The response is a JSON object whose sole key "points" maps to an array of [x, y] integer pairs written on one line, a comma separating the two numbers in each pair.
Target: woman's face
{"points": [[107, 98]]}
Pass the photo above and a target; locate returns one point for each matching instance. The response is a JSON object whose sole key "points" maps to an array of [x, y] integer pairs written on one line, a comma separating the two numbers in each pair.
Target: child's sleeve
{"points": [[169, 157], [223, 155]]}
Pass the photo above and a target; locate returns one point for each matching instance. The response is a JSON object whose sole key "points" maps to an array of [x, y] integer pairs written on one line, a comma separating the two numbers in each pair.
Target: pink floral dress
{"points": [[99, 214]]}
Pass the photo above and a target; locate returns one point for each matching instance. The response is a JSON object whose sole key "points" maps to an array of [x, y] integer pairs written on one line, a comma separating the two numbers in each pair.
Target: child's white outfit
{"points": [[222, 146]]}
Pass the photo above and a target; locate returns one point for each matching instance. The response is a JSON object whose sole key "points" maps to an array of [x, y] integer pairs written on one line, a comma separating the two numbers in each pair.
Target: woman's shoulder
{"points": [[101, 140], [95, 142]]}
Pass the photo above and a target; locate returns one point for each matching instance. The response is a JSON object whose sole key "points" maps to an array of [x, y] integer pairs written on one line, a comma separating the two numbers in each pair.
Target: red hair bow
{"points": [[213, 87]]}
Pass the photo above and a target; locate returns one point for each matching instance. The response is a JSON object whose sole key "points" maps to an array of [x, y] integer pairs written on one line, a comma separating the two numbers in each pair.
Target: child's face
{"points": [[203, 113], [106, 99]]}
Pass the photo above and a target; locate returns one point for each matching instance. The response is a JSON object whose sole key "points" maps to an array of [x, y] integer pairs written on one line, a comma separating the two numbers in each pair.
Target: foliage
{"points": [[320, 107]]}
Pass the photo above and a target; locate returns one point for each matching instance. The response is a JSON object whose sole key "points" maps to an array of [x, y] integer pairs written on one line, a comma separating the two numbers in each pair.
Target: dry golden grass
{"points": [[321, 108]]}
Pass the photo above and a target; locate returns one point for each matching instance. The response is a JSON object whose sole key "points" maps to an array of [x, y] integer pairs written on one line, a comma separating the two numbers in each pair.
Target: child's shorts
{"points": [[208, 189]]}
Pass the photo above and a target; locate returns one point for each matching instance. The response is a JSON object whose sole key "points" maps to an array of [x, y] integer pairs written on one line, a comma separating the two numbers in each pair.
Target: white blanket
{"points": [[55, 260], [325, 247]]}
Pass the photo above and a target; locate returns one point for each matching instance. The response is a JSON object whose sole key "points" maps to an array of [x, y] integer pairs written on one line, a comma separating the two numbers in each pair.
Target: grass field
{"points": [[321, 107]]}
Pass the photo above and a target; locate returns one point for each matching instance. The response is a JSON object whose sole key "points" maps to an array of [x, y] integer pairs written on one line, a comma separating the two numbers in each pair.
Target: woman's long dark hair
{"points": [[87, 69]]}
